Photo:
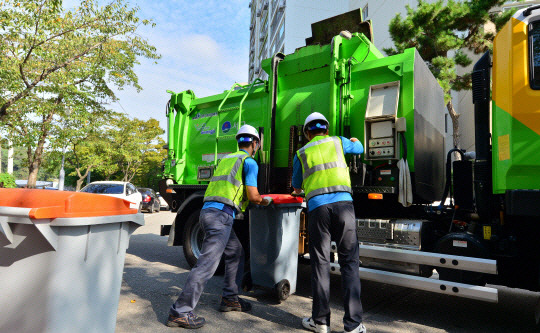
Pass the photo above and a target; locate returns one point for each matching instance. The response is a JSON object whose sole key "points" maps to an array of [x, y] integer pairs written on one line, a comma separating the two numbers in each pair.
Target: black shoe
{"points": [[231, 305], [186, 320]]}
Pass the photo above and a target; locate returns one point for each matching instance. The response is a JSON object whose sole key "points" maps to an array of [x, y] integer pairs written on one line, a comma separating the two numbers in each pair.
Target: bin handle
{"points": [[6, 230], [33, 213], [30, 213]]}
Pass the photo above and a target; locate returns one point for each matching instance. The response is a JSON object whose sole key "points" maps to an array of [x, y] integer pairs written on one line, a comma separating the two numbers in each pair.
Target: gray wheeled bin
{"points": [[61, 260], [274, 233]]}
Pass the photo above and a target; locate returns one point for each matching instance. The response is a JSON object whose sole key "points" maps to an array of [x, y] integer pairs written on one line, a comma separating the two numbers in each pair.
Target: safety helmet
{"points": [[315, 121], [246, 133]]}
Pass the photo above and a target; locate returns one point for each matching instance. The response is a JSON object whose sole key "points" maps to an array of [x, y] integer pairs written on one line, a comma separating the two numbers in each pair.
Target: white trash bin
{"points": [[61, 260]]}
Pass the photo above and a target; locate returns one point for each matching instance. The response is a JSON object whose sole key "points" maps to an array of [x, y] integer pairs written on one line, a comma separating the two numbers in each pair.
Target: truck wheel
{"points": [[193, 239], [474, 249], [283, 290]]}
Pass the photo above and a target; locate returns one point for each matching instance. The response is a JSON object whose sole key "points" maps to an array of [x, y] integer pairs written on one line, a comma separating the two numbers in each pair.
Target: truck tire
{"points": [[192, 241], [192, 238]]}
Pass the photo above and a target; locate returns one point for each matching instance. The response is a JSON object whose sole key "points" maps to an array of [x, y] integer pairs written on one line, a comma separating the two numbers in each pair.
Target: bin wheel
{"points": [[247, 282], [283, 290]]}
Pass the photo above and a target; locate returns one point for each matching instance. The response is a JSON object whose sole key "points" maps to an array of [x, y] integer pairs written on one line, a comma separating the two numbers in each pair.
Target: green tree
{"points": [[7, 181], [57, 60], [441, 32], [135, 141], [149, 172]]}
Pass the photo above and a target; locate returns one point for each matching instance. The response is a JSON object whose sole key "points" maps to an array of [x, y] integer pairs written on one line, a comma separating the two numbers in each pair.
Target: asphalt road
{"points": [[155, 273]]}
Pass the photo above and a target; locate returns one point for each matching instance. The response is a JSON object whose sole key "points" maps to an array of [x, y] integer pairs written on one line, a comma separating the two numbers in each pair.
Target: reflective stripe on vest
{"points": [[226, 185], [324, 177]]}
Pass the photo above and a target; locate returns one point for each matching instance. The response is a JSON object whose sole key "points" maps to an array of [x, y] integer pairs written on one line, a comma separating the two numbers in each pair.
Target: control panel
{"points": [[380, 122], [381, 152]]}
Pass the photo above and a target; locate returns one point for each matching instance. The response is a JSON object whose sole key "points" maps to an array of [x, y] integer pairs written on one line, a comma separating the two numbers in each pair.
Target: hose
{"points": [[449, 172]]}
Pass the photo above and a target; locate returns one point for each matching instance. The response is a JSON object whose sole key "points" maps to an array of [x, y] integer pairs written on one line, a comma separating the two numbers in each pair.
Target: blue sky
{"points": [[204, 46]]}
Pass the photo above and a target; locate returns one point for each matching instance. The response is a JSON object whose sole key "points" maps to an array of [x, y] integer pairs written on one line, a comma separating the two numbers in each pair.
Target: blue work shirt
{"points": [[249, 175], [349, 147]]}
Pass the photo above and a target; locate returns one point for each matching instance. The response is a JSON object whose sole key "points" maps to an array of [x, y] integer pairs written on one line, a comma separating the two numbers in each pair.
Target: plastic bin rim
{"points": [[47, 204], [280, 199]]}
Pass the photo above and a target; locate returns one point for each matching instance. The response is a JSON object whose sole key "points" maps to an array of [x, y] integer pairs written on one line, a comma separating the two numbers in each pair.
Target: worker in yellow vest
{"points": [[319, 168], [232, 187]]}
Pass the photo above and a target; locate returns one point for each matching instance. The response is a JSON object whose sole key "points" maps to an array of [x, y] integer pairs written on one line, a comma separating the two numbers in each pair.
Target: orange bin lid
{"points": [[284, 198], [48, 204]]}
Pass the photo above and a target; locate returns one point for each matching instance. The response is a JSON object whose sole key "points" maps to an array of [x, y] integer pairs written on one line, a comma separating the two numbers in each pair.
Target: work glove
{"points": [[301, 194], [267, 202]]}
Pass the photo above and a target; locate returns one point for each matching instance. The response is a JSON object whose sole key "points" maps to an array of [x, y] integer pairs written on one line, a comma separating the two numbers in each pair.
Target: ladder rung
{"points": [[230, 109]]}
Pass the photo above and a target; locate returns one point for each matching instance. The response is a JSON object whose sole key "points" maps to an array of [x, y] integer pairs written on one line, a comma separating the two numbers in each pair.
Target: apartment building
{"points": [[284, 25]]}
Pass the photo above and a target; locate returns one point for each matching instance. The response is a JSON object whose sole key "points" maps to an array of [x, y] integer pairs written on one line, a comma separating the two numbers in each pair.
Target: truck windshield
{"points": [[104, 188], [534, 51]]}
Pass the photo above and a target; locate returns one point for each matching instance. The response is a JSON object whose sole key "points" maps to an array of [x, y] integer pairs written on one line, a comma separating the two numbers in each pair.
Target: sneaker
{"points": [[234, 305], [310, 324], [360, 329], [186, 320]]}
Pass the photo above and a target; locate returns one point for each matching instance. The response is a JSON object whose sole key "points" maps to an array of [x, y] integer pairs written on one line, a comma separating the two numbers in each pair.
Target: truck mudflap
{"points": [[434, 260]]}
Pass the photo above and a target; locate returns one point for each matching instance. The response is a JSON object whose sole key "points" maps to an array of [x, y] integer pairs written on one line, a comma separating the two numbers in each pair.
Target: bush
{"points": [[7, 180]]}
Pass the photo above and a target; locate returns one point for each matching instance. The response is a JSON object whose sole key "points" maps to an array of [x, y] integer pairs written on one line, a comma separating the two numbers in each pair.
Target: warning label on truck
{"points": [[458, 243], [504, 147], [210, 157]]}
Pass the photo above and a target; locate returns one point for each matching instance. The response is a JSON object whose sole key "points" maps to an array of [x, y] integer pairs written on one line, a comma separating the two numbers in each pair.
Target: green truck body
{"points": [[473, 219]]}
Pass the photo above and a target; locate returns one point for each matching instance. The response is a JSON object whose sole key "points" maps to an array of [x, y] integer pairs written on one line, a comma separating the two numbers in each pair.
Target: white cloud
{"points": [[204, 47]]}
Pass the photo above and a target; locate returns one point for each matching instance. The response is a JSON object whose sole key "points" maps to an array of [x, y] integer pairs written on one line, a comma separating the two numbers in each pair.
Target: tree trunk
{"points": [[455, 123], [80, 181], [33, 169]]}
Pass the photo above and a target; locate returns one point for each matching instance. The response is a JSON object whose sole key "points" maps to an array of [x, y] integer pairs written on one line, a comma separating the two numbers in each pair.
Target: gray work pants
{"points": [[219, 239], [326, 223]]}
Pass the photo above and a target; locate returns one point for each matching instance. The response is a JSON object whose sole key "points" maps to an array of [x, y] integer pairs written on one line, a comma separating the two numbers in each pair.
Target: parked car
{"points": [[150, 200], [162, 203], [123, 190]]}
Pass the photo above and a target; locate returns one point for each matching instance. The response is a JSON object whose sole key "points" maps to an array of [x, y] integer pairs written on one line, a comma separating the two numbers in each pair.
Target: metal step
{"points": [[437, 286], [471, 264], [229, 109]]}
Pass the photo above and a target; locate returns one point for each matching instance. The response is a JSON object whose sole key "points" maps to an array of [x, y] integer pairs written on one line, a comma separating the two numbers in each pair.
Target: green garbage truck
{"points": [[469, 218]]}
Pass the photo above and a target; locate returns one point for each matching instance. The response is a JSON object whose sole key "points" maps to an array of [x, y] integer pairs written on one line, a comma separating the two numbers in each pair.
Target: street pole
{"points": [[62, 172]]}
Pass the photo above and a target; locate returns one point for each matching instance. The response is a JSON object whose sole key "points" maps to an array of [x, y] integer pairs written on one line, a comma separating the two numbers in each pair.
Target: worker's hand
{"points": [[298, 193], [353, 139], [266, 201]]}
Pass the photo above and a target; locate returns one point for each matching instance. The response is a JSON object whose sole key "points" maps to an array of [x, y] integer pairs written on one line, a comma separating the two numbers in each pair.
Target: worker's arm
{"points": [[297, 176], [251, 169], [352, 146], [255, 197]]}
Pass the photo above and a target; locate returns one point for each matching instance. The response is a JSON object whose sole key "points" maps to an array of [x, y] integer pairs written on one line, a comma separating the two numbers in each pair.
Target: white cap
{"points": [[247, 130], [314, 117]]}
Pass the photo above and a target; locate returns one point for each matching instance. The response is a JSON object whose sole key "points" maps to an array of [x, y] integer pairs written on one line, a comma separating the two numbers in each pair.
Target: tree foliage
{"points": [[119, 150], [7, 181], [58, 63], [441, 31]]}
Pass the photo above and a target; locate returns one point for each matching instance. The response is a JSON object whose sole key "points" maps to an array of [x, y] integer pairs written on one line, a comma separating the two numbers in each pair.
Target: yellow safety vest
{"points": [[324, 169], [226, 185]]}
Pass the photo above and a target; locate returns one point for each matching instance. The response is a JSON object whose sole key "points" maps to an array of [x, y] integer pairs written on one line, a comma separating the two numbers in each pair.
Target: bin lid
{"points": [[284, 198], [47, 204]]}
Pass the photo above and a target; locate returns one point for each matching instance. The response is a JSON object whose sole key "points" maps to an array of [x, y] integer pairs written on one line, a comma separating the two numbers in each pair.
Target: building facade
{"points": [[283, 26]]}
